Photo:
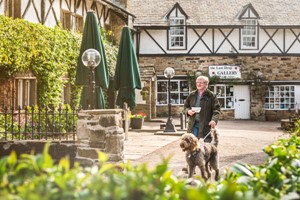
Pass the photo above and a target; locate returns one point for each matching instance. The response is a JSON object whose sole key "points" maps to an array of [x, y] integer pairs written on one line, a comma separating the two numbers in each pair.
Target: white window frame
{"points": [[179, 91], [177, 33], [250, 26], [225, 95]]}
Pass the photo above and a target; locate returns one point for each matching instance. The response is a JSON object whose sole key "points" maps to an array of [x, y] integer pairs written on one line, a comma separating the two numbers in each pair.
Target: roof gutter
{"points": [[117, 7]]}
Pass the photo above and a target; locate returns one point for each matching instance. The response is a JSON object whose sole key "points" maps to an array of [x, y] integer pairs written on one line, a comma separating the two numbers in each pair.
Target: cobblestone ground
{"points": [[240, 141]]}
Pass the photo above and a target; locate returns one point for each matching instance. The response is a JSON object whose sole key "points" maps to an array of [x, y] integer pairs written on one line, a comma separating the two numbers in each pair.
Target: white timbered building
{"points": [[249, 48]]}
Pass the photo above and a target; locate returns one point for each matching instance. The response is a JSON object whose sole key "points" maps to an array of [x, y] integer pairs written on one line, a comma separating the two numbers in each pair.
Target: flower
{"points": [[138, 115]]}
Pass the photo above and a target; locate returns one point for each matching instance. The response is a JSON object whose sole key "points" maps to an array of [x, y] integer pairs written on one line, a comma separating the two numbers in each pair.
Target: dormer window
{"points": [[249, 33], [177, 31]]}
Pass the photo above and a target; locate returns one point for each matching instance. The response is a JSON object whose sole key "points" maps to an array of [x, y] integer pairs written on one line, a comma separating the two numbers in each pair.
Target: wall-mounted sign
{"points": [[225, 71]]}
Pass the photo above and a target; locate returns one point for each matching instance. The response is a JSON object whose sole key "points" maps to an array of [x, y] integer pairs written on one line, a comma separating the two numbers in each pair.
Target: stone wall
{"points": [[97, 130], [273, 68], [100, 130], [57, 149]]}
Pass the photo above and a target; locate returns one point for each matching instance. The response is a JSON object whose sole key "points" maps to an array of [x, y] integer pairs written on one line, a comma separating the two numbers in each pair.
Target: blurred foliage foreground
{"points": [[36, 177]]}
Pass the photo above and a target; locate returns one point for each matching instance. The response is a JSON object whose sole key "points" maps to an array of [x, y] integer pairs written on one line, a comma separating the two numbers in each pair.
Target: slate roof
{"points": [[216, 12]]}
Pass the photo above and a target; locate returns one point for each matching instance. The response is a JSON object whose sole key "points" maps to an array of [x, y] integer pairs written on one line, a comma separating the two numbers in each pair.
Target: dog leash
{"points": [[207, 135]]}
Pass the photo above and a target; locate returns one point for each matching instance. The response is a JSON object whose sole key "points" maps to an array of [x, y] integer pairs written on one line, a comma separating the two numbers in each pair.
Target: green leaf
{"points": [[242, 169], [12, 159]]}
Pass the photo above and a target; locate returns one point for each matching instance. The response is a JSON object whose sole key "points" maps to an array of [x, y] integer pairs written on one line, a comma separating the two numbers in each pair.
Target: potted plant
{"points": [[137, 120]]}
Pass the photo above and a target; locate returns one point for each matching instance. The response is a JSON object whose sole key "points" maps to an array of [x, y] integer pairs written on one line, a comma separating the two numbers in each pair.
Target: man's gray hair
{"points": [[204, 78]]}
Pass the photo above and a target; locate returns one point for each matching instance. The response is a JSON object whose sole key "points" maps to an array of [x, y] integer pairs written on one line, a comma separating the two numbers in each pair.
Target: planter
{"points": [[136, 123]]}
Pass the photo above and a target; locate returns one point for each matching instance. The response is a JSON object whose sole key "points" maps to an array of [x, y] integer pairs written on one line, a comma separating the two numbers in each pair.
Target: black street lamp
{"points": [[169, 73], [91, 59]]}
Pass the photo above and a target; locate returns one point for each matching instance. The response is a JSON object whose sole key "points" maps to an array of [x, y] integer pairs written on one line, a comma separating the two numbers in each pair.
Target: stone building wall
{"points": [[116, 27], [272, 68]]}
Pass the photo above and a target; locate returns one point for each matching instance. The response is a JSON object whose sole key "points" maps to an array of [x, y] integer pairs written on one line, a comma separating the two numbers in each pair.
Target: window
{"points": [[177, 33], [13, 8], [25, 92], [179, 92], [71, 21], [224, 94], [78, 23], [249, 34], [280, 97]]}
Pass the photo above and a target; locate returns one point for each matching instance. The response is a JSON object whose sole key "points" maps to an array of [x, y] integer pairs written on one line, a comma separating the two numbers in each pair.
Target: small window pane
{"points": [[162, 86], [280, 98]]}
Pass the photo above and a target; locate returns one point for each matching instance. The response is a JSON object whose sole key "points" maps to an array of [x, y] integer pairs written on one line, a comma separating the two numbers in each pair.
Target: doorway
{"points": [[242, 102]]}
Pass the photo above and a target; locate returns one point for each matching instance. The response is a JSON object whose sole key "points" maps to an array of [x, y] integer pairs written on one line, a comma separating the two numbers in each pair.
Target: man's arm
{"points": [[216, 110]]}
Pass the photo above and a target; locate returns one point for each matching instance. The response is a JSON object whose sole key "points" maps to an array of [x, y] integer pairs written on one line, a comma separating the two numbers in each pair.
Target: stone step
{"points": [[88, 152], [85, 162]]}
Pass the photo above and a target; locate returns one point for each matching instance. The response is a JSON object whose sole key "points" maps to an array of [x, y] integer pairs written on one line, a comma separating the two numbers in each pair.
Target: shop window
{"points": [[25, 92], [179, 92], [224, 94], [280, 97]]}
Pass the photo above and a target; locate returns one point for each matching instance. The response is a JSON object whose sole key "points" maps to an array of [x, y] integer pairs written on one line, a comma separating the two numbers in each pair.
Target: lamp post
{"points": [[91, 59], [169, 73]]}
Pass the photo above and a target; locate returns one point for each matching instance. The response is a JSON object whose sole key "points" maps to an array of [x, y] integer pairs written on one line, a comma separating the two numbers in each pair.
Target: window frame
{"points": [[248, 27], [225, 95], [13, 8], [275, 101], [71, 21], [181, 28], [26, 91], [180, 92]]}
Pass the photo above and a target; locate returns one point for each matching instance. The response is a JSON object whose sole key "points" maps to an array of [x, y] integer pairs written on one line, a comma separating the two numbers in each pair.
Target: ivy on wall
{"points": [[49, 53]]}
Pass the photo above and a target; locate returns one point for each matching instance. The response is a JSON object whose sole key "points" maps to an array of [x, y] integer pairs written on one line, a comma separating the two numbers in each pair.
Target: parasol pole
{"points": [[125, 107]]}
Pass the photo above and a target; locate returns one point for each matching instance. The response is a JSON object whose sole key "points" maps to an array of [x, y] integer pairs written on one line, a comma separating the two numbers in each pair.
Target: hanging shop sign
{"points": [[225, 71]]}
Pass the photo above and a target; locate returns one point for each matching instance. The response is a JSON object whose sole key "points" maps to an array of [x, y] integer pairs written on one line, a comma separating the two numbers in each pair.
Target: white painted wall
{"points": [[148, 46], [31, 14], [2, 8]]}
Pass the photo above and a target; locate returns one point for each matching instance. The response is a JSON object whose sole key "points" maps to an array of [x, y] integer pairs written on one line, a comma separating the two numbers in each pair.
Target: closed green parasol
{"points": [[91, 39], [127, 74]]}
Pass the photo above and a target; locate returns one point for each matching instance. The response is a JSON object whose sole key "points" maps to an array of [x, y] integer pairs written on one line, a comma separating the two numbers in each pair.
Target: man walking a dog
{"points": [[203, 109]]}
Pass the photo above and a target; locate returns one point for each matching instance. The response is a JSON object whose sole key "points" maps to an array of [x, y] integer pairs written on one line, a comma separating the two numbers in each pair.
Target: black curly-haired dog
{"points": [[201, 154]]}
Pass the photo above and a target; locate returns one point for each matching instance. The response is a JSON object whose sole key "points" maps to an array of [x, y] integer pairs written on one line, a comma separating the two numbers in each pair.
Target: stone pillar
{"points": [[100, 130]]}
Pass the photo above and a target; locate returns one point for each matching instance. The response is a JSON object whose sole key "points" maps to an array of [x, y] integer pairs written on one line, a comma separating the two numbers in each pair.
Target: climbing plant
{"points": [[49, 53]]}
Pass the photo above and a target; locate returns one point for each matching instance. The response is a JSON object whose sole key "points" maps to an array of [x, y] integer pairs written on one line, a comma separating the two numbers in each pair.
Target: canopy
{"points": [[91, 38], [127, 74]]}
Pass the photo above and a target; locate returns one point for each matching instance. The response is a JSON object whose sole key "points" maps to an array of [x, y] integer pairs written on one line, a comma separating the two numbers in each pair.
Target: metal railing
{"points": [[37, 123]]}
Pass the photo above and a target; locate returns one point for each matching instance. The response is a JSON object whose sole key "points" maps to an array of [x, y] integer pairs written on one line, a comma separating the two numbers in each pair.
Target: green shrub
{"points": [[35, 177]]}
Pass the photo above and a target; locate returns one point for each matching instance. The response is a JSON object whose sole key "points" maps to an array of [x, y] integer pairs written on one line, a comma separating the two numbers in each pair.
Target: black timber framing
{"points": [[213, 52]]}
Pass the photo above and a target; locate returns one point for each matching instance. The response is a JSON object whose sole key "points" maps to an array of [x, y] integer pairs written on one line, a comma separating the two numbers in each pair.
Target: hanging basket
{"points": [[136, 123]]}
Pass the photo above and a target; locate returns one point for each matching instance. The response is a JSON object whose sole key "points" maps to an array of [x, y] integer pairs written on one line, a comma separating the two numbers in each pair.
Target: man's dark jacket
{"points": [[210, 110]]}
